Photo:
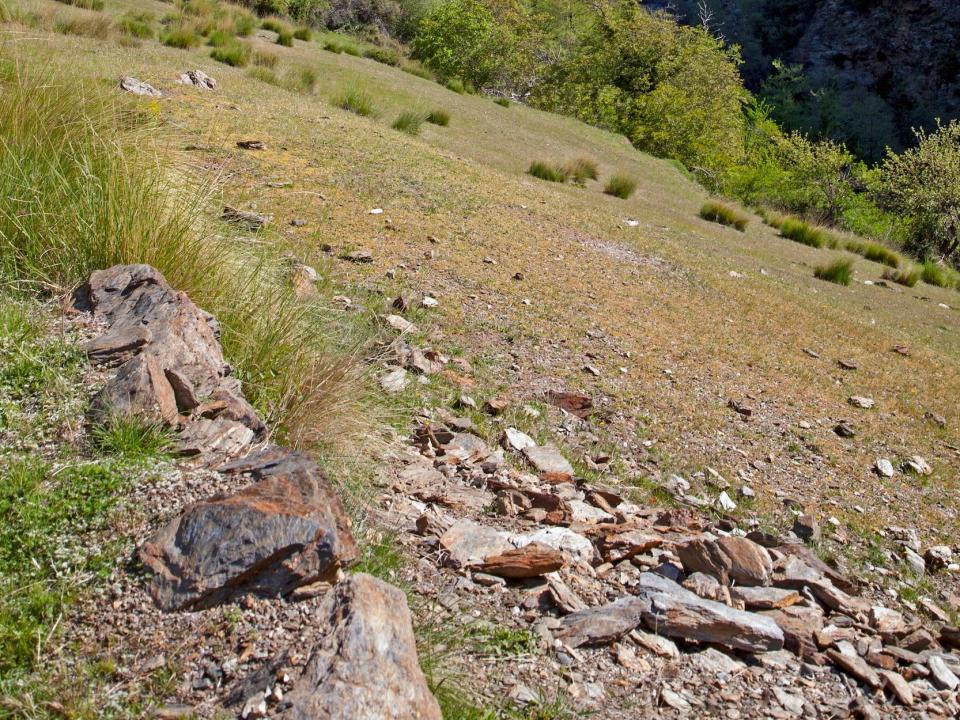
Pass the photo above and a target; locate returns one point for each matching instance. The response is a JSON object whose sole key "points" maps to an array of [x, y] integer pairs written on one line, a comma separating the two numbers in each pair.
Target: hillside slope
{"points": [[669, 323]]}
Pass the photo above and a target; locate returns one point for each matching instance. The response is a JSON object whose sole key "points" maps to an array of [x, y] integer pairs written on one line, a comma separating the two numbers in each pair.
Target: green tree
{"points": [[461, 39], [923, 184]]}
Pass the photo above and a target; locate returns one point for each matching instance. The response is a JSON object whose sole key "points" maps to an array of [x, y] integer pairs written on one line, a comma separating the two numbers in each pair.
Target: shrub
{"points": [[265, 58], [409, 122], [502, 102], [875, 252], [383, 55], [357, 102], [219, 38], [724, 214], [839, 271], [303, 33], [235, 54], [799, 231], [180, 37], [545, 171], [438, 117], [621, 186], [581, 169], [909, 277], [285, 38]]}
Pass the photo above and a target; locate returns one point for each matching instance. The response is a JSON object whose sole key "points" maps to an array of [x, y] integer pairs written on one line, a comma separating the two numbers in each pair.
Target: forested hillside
{"points": [[865, 73]]}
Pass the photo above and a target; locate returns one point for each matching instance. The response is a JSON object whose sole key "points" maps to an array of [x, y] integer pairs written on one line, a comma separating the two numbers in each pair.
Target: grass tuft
{"points": [[357, 102], [235, 54], [180, 37], [96, 5], [581, 169], [409, 122], [383, 55], [621, 186], [265, 58], [939, 275], [548, 172], [874, 251], [724, 214], [908, 277], [273, 24], [95, 26], [799, 231], [132, 439], [438, 117], [502, 102], [303, 33], [138, 25], [839, 271], [285, 38]]}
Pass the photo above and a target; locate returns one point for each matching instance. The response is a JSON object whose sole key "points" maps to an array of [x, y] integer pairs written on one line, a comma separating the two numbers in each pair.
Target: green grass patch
{"points": [[97, 27], [409, 122], [413, 67], [96, 5], [874, 252], [805, 234], [908, 277], [383, 55], [547, 171], [772, 218], [285, 38], [132, 439], [438, 117], [303, 33], [137, 25], [502, 102], [621, 186], [357, 102], [341, 44], [244, 22], [180, 37], [456, 84], [220, 38], [724, 214], [234, 54], [839, 271], [265, 58], [273, 24], [939, 275]]}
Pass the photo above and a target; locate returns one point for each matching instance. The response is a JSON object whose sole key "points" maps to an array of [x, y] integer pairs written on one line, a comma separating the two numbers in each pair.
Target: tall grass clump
{"points": [[265, 58], [939, 275], [839, 271], [409, 122], [724, 214], [137, 25], [415, 68], [303, 33], [273, 25], [502, 102], [772, 218], [180, 37], [874, 251], [581, 169], [621, 186], [95, 26], [244, 22], [908, 277], [285, 38], [383, 55], [548, 172], [219, 38], [357, 102], [84, 185], [236, 54], [438, 117], [96, 5], [799, 231]]}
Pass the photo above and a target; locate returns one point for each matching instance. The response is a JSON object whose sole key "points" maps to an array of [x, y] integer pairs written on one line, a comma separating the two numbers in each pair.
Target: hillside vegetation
{"points": [[570, 235]]}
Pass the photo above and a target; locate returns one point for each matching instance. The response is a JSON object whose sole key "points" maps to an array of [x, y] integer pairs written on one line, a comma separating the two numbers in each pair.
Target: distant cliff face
{"points": [[886, 65]]}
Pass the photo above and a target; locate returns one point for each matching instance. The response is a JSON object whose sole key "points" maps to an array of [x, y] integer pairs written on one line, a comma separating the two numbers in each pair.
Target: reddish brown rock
{"points": [[729, 559], [286, 530], [764, 598], [364, 664], [528, 561], [575, 403], [799, 625]]}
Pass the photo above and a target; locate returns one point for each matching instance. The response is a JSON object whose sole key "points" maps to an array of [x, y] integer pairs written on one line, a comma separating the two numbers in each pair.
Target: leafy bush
{"points": [[545, 171], [180, 37], [923, 185], [724, 214], [799, 231], [461, 39], [875, 252], [839, 271], [340, 14], [357, 102], [909, 277], [438, 117], [621, 186], [409, 122], [285, 38], [235, 54], [303, 33]]}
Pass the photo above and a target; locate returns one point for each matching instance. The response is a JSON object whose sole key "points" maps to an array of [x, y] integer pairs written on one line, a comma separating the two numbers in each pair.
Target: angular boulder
{"points": [[364, 664], [729, 559], [286, 530]]}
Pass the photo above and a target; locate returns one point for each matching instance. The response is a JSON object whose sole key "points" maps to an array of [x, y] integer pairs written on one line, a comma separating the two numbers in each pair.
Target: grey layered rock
{"points": [[552, 466], [198, 78], [364, 664], [604, 624], [796, 575], [676, 612], [286, 530], [138, 87], [251, 221]]}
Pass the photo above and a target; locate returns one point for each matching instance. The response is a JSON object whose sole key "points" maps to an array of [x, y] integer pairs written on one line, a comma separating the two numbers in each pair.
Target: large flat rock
{"points": [[729, 559], [364, 665]]}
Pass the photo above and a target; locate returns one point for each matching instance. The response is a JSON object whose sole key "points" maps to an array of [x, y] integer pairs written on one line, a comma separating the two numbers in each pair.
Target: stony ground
{"points": [[714, 362]]}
